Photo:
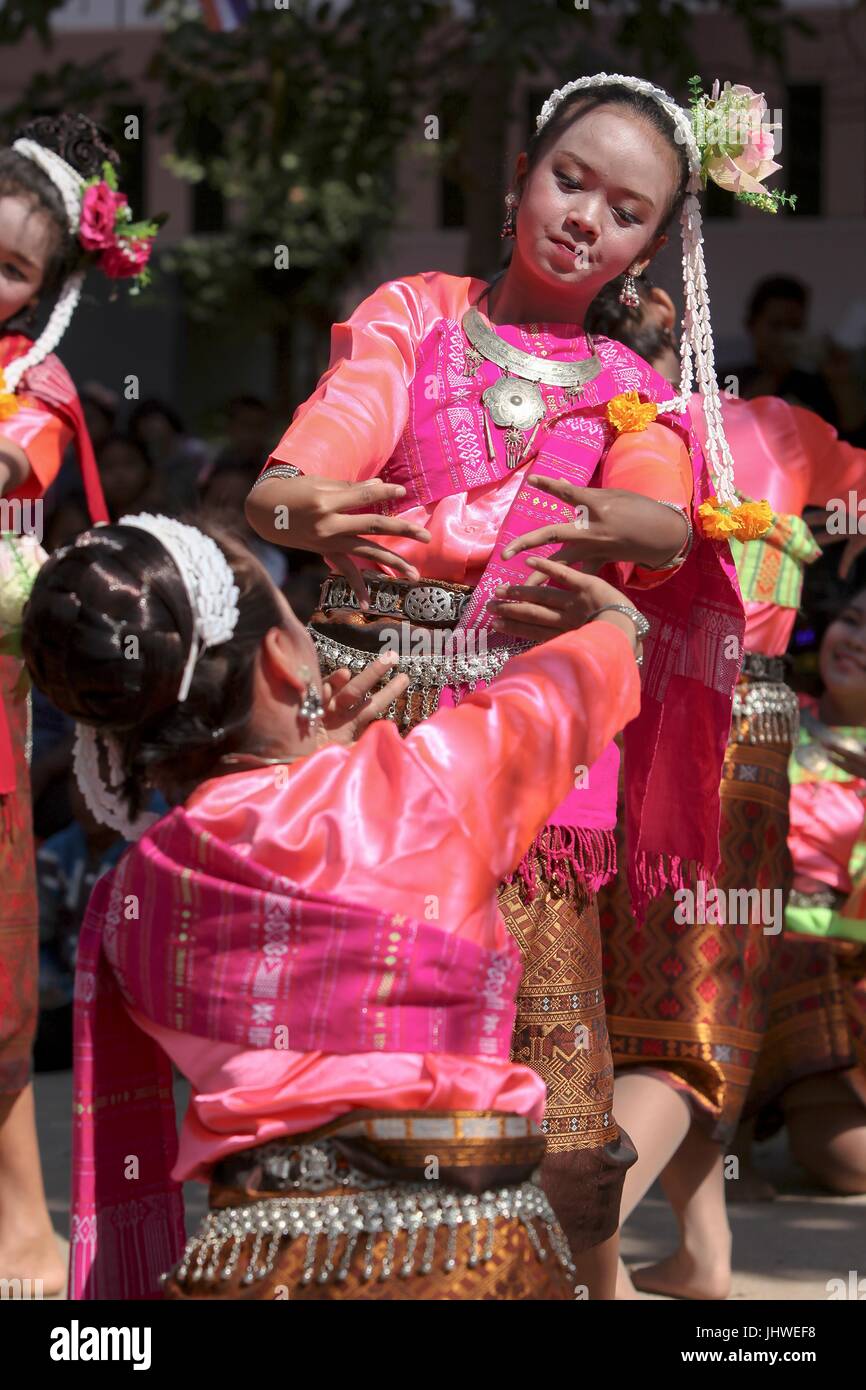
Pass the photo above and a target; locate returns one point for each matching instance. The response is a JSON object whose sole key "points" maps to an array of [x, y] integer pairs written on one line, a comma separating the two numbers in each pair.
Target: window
{"points": [[208, 204], [802, 145]]}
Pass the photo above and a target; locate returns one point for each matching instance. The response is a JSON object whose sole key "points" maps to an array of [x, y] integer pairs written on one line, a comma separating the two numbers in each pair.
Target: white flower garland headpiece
{"points": [[696, 342], [213, 595]]}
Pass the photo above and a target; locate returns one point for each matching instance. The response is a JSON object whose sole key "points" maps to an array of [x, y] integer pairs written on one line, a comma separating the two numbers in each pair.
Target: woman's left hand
{"points": [[523, 610], [611, 524], [351, 703]]}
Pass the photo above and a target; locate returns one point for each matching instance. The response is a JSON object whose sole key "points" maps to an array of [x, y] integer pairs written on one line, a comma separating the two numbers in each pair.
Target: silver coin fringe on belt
{"points": [[428, 674], [768, 704], [419, 1209]]}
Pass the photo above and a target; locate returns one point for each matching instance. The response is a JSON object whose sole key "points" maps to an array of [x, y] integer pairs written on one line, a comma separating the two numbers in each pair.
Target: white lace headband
{"points": [[70, 185], [213, 595], [696, 342]]}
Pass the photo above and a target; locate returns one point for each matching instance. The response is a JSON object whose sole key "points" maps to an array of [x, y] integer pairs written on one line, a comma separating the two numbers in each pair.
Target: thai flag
{"points": [[222, 16]]}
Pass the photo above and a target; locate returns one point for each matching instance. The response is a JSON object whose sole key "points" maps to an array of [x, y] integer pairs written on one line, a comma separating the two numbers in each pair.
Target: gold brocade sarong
{"points": [[362, 1210], [688, 1001], [817, 1022], [560, 1031], [19, 909]]}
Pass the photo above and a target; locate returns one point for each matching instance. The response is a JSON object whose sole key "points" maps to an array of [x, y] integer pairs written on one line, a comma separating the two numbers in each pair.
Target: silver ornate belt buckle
{"points": [[427, 603]]}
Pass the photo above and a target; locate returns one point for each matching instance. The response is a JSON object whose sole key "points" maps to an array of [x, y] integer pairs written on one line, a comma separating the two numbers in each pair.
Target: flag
{"points": [[222, 16]]}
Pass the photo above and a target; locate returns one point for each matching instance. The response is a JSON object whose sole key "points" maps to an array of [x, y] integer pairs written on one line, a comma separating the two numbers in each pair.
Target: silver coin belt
{"points": [[770, 706], [423, 603], [822, 897], [427, 674], [327, 1223]]}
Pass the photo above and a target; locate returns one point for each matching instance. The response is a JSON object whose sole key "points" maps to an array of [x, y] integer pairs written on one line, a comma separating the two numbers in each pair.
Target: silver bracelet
{"points": [[277, 470], [641, 623], [681, 555]]}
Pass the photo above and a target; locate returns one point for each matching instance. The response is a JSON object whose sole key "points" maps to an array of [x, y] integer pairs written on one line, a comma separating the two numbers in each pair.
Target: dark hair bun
{"points": [[107, 628], [77, 139]]}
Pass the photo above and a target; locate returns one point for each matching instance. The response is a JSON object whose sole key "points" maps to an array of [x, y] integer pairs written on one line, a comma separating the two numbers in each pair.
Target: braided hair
{"points": [[106, 636]]}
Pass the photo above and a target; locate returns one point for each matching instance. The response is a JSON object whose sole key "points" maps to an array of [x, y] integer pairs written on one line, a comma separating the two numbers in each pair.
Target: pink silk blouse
{"points": [[795, 460], [427, 825], [350, 425]]}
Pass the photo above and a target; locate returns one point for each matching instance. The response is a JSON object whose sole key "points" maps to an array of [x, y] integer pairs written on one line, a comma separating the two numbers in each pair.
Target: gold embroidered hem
{"points": [[688, 1000]]}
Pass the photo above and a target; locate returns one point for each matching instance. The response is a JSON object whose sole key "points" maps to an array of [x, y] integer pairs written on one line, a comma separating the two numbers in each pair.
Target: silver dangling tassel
{"points": [[509, 225], [311, 709], [628, 295]]}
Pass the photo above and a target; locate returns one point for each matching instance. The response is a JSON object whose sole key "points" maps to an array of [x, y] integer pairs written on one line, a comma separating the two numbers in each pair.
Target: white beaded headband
{"points": [[696, 342], [213, 594], [70, 185]]}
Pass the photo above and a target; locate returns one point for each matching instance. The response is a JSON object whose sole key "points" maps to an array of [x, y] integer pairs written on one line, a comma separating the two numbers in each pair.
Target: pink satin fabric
{"points": [[826, 822], [469, 798], [793, 459], [349, 426]]}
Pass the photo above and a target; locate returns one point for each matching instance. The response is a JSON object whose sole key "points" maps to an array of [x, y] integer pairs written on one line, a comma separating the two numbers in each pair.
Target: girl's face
{"points": [[27, 240], [600, 190], [842, 659]]}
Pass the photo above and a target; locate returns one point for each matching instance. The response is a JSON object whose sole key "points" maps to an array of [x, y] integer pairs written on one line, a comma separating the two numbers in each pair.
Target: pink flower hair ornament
{"points": [[736, 143], [106, 231]]}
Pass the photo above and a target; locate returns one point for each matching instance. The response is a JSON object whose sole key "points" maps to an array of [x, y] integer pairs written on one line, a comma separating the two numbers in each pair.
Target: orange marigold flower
{"points": [[755, 520], [628, 412], [717, 521]]}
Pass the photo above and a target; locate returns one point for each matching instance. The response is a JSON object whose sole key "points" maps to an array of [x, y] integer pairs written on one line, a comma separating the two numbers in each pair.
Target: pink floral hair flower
{"points": [[125, 258], [743, 157], [99, 208]]}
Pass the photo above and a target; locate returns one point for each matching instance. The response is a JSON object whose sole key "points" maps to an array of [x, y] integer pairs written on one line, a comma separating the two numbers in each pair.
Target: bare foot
{"points": [[34, 1260], [682, 1276], [750, 1187], [625, 1289]]}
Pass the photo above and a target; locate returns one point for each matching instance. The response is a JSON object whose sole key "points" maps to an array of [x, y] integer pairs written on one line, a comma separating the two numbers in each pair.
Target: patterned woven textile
{"points": [[817, 1021], [19, 917], [561, 1032], [688, 1000]]}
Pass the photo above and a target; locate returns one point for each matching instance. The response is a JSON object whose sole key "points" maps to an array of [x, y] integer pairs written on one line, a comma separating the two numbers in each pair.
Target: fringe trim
{"points": [[650, 875], [566, 855]]}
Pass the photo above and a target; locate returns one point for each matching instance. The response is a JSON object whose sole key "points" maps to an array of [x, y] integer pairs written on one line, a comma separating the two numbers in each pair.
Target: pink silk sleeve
{"points": [[43, 437], [349, 427], [655, 463], [506, 757], [836, 466]]}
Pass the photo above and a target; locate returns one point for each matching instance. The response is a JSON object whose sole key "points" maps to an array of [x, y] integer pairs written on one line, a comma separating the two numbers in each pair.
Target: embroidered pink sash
{"points": [[207, 942]]}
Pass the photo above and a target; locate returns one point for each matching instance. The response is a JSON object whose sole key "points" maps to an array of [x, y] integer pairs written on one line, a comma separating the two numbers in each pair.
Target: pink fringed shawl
{"points": [[692, 657], [204, 941]]}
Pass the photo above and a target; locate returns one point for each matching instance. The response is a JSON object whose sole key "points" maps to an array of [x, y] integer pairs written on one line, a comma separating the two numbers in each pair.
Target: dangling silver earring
{"points": [[628, 295], [311, 709], [509, 225]]}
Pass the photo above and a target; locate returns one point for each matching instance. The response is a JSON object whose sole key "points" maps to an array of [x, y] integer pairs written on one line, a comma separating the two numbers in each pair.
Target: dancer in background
{"points": [[342, 1009], [688, 999], [455, 418], [811, 1073], [60, 212]]}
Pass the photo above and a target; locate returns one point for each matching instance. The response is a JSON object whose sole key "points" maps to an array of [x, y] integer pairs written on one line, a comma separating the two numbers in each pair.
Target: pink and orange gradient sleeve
{"points": [[836, 466], [349, 427], [505, 757], [43, 437], [654, 462]]}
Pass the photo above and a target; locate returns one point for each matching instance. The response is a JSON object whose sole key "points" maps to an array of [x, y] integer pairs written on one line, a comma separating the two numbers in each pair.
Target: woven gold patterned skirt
{"points": [[381, 1206], [688, 1000], [19, 914], [561, 1032], [816, 1025]]}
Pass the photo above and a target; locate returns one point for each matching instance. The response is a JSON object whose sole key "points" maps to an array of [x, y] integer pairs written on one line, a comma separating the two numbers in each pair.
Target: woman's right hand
{"points": [[539, 612], [319, 514]]}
